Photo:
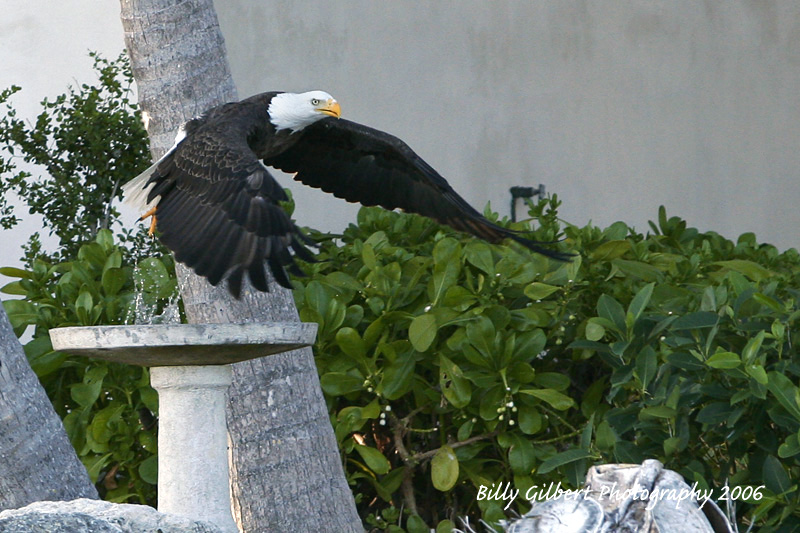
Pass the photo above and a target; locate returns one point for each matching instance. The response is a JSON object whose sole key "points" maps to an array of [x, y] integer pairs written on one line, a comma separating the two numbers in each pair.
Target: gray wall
{"points": [[617, 106]]}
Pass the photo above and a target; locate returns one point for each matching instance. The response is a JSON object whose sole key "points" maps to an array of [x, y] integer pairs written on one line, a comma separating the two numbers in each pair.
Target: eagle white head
{"points": [[295, 111]]}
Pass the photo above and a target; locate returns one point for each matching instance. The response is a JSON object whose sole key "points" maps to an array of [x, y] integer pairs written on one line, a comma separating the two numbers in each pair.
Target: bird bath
{"points": [[190, 369]]}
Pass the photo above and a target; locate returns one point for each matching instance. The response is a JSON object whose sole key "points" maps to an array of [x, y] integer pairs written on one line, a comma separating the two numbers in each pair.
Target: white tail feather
{"points": [[136, 190]]}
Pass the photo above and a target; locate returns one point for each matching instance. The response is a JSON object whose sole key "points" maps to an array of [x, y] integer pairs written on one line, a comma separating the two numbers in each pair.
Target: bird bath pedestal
{"points": [[190, 369]]}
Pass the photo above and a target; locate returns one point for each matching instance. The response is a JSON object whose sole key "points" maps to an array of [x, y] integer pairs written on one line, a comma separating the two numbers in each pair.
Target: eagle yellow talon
{"points": [[152, 216]]}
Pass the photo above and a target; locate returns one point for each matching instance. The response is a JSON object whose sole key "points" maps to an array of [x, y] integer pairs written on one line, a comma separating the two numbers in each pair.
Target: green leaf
{"points": [[13, 272], [521, 456], [397, 378], [752, 347], [610, 309], [20, 313], [368, 257], [415, 524], [685, 361], [83, 308], [15, 288], [775, 476], [422, 331], [672, 446], [605, 437], [594, 329], [96, 465], [149, 397], [374, 459], [351, 343], [696, 320], [539, 291], [446, 267], [100, 427], [640, 301], [444, 469], [561, 459], [758, 373], [455, 387], [552, 380], [113, 280], [752, 270], [465, 430], [646, 365], [557, 400], [491, 401], [724, 360], [715, 413], [610, 250], [528, 345], [530, 420], [790, 447], [785, 392], [339, 383], [709, 300], [638, 269], [148, 470], [768, 301], [87, 392], [657, 411], [42, 358], [446, 526], [481, 334], [480, 254], [317, 297]]}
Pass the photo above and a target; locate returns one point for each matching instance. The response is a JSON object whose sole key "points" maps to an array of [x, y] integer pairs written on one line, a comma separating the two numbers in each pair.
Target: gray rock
{"points": [[96, 516]]}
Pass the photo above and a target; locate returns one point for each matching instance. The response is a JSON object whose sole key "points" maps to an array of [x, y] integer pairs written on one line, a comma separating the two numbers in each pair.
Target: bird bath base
{"points": [[191, 372]]}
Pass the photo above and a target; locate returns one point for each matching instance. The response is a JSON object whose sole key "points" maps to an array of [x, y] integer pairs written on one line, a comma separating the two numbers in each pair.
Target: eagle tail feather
{"points": [[135, 191]]}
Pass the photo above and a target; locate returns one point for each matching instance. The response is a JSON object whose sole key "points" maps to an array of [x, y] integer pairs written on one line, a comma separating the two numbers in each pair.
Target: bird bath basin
{"points": [[190, 369]]}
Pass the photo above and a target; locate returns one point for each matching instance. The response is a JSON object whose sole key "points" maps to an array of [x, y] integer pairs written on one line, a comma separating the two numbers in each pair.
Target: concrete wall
{"points": [[617, 106]]}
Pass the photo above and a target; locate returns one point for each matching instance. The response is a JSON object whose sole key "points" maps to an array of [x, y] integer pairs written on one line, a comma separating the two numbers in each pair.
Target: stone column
{"points": [[193, 442]]}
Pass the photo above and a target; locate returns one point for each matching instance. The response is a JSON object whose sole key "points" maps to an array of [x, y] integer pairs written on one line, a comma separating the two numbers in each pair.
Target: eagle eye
{"points": [[315, 101]]}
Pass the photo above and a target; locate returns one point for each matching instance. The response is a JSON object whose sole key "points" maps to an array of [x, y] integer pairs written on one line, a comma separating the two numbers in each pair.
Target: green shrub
{"points": [[109, 409], [82, 146], [448, 363]]}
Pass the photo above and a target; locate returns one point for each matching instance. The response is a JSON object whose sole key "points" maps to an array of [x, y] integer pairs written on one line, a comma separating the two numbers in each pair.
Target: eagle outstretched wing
{"points": [[364, 165], [219, 210]]}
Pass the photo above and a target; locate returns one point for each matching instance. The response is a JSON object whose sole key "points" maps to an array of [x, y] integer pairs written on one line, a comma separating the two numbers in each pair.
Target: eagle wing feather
{"points": [[219, 210], [364, 165]]}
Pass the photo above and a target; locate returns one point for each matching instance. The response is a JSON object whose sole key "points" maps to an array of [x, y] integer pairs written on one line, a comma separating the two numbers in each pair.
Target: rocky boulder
{"points": [[96, 516]]}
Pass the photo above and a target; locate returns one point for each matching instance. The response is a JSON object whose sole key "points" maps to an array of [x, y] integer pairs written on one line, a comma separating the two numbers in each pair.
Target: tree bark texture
{"points": [[37, 461], [286, 469]]}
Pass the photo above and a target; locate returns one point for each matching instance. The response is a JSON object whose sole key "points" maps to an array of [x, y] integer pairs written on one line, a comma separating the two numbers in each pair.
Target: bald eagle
{"points": [[216, 206]]}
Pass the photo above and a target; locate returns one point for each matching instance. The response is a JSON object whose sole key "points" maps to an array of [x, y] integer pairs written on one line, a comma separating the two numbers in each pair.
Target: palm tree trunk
{"points": [[286, 470], [37, 461]]}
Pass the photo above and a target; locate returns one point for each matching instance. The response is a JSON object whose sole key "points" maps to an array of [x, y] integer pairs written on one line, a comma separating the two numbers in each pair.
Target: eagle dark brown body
{"points": [[217, 205]]}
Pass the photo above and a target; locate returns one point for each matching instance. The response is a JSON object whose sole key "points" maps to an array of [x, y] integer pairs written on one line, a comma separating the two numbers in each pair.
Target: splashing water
{"points": [[149, 277], [144, 312]]}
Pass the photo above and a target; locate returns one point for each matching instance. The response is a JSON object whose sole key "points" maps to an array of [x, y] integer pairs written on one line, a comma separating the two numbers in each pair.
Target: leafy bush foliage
{"points": [[109, 409], [83, 146], [449, 363]]}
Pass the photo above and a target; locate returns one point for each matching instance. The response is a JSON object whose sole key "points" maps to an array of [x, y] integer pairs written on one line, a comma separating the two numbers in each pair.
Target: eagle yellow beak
{"points": [[331, 108]]}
